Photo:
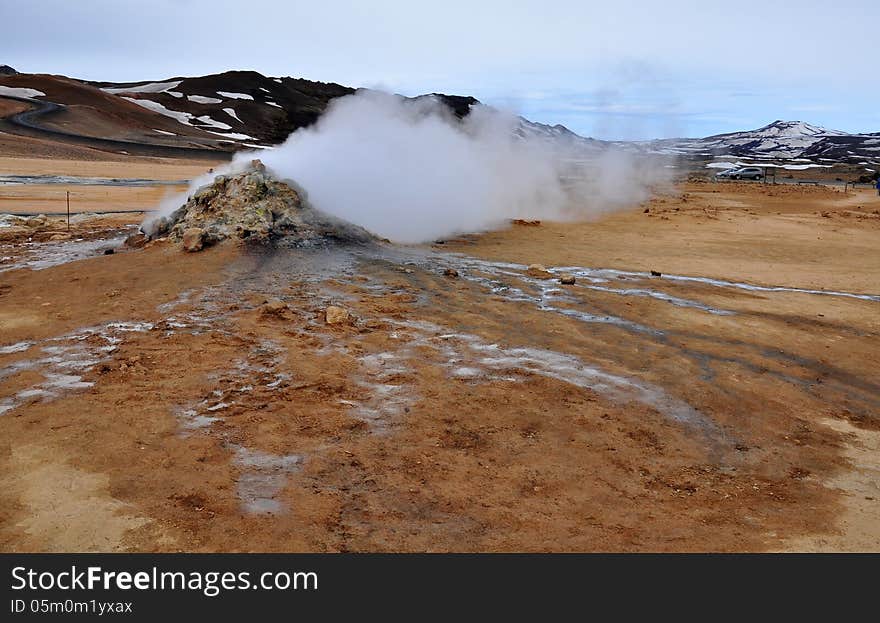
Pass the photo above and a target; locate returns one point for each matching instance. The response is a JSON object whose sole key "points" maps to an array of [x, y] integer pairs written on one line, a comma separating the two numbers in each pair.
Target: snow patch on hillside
{"points": [[234, 136], [214, 124], [201, 99], [235, 96], [20, 92], [183, 117], [149, 87], [231, 113]]}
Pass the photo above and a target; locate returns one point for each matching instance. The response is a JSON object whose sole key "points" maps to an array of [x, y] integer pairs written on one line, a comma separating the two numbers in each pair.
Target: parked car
{"points": [[726, 174], [742, 173]]}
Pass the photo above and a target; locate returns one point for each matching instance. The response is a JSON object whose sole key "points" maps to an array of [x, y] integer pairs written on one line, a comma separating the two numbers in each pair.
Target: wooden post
{"points": [[68, 210]]}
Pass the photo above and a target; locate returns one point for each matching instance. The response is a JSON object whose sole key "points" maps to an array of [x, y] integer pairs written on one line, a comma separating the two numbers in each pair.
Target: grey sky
{"points": [[623, 69]]}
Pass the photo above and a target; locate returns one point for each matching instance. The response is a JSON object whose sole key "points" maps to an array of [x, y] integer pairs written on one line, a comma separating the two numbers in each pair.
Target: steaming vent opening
{"points": [[253, 206]]}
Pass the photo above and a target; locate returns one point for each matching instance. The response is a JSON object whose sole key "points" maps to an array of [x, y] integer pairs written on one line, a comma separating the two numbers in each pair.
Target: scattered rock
{"points": [[109, 251], [274, 307], [336, 315], [539, 271], [567, 279], [656, 273], [136, 241], [450, 272], [194, 239], [528, 223]]}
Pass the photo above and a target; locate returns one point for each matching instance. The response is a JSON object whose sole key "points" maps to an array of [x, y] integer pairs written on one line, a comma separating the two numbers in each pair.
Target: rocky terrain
{"points": [[250, 206]]}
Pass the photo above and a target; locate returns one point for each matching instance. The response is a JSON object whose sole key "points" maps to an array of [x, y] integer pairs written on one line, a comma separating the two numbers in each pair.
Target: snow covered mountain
{"points": [[558, 134], [780, 139]]}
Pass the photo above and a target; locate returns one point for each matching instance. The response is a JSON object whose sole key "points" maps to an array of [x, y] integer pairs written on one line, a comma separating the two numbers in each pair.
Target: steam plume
{"points": [[410, 171]]}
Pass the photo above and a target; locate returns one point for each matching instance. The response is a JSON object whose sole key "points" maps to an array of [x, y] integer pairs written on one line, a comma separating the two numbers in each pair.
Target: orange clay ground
{"points": [[153, 400]]}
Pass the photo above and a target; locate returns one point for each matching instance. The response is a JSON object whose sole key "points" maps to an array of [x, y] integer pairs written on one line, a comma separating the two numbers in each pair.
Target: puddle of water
{"points": [[19, 347], [42, 255], [482, 360], [263, 475], [7, 179], [610, 273], [66, 358], [262, 478]]}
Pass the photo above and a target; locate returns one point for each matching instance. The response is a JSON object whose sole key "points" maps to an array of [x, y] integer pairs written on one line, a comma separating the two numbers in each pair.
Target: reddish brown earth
{"points": [[407, 430]]}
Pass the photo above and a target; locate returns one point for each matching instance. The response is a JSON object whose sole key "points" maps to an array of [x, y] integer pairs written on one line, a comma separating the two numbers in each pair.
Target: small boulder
{"points": [[567, 279], [539, 271], [136, 241], [450, 272], [336, 315], [59, 237], [194, 239], [656, 273]]}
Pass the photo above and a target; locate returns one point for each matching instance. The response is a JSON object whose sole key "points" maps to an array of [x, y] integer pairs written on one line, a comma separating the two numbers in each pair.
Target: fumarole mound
{"points": [[251, 206]]}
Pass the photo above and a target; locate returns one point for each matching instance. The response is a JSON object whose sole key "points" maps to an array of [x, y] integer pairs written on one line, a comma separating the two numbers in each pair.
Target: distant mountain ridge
{"points": [[237, 110], [777, 140]]}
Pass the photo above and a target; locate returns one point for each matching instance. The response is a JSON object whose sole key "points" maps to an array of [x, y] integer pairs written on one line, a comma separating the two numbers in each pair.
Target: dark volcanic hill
{"points": [[240, 106]]}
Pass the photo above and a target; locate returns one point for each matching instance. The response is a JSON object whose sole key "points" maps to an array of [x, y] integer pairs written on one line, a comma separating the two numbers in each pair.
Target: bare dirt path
{"points": [[28, 123]]}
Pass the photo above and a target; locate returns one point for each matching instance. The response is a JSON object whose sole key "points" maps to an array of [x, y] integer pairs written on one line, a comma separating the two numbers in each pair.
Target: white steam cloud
{"points": [[410, 171]]}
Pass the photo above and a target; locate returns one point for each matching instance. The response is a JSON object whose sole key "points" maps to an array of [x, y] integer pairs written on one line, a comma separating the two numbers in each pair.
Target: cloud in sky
{"points": [[676, 66]]}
